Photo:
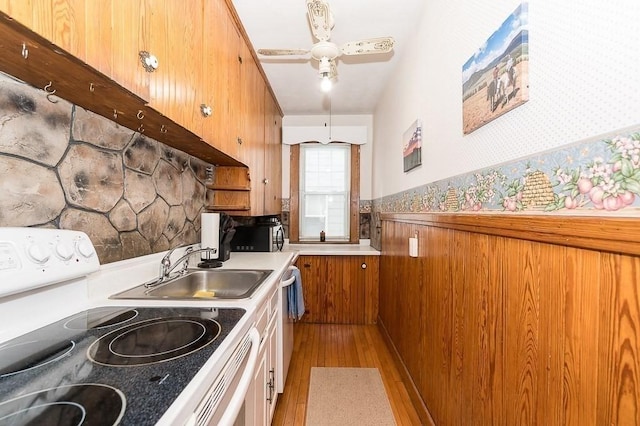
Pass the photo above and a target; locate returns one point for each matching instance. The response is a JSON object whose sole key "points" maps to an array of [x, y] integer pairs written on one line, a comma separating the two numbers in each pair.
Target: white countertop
{"points": [[329, 249]]}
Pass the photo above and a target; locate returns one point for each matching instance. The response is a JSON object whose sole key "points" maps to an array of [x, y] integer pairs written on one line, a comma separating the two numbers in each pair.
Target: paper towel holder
{"points": [[210, 263]]}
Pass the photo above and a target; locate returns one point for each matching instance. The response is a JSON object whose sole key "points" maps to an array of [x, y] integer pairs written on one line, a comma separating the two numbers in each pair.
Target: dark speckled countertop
{"points": [[149, 389]]}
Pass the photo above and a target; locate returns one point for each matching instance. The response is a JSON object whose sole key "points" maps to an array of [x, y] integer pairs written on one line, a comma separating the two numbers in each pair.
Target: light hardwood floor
{"points": [[331, 345]]}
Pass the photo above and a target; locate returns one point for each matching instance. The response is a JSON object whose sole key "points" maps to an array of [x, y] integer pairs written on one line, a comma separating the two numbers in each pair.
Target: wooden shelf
{"points": [[228, 208], [228, 187]]}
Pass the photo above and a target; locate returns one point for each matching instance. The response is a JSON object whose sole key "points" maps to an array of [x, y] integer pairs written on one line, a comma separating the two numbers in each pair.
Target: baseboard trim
{"points": [[412, 390]]}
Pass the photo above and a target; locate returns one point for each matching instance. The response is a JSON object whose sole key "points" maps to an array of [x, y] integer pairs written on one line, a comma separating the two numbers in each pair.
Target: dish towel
{"points": [[295, 297]]}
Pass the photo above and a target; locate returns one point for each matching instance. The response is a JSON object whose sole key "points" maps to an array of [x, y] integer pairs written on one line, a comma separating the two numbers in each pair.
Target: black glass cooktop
{"points": [[108, 366]]}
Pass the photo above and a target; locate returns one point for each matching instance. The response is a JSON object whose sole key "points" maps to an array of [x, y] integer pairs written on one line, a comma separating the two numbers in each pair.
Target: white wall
{"points": [[366, 150], [584, 63]]}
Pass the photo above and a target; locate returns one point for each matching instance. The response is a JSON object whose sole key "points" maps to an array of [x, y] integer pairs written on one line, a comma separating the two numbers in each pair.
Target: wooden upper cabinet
{"points": [[234, 61], [106, 34], [175, 37], [129, 35], [21, 11], [251, 130], [272, 156], [251, 111], [99, 39], [220, 75], [61, 22]]}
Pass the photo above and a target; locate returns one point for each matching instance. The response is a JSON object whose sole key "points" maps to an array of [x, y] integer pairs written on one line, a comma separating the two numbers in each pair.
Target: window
{"points": [[325, 192]]}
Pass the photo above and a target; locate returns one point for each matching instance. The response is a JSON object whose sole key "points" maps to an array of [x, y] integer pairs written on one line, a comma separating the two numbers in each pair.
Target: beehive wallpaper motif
{"points": [[537, 191]]}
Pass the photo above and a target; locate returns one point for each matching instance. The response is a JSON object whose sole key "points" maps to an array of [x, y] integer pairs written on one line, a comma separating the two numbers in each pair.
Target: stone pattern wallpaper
{"points": [[68, 168]]}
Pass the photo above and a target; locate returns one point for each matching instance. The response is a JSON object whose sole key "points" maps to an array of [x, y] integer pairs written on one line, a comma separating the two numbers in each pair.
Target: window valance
{"points": [[355, 135]]}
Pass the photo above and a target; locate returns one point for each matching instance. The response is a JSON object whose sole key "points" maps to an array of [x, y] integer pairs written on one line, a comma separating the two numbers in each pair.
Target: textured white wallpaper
{"points": [[584, 62]]}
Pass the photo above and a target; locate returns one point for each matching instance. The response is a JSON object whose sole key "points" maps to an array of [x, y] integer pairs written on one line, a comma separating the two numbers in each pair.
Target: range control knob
{"points": [[64, 251], [39, 253], [85, 249]]}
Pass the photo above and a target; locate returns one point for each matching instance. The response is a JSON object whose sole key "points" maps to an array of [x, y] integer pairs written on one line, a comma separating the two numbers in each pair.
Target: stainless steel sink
{"points": [[203, 284]]}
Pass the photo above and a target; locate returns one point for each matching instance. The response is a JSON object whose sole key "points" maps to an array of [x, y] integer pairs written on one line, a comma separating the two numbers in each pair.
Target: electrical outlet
{"points": [[413, 246]]}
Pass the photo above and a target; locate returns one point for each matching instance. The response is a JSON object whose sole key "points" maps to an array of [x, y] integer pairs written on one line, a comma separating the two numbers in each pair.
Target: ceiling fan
{"points": [[325, 51]]}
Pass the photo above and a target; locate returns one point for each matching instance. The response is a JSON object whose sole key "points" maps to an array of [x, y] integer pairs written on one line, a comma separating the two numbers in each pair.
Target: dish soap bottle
{"points": [[321, 236]]}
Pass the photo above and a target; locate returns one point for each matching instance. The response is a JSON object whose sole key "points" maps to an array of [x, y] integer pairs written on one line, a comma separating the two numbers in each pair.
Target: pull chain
{"points": [[329, 118]]}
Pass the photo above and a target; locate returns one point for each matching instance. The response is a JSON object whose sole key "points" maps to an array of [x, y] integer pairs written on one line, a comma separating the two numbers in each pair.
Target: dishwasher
{"points": [[285, 329]]}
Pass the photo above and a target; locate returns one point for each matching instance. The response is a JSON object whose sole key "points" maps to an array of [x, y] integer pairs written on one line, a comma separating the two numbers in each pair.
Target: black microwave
{"points": [[262, 237]]}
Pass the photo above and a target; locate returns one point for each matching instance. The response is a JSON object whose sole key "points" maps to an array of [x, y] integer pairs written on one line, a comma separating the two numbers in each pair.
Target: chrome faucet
{"points": [[166, 267], [165, 263]]}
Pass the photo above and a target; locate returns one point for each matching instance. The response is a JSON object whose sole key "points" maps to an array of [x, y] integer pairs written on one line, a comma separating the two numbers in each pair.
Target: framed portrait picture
{"points": [[495, 79]]}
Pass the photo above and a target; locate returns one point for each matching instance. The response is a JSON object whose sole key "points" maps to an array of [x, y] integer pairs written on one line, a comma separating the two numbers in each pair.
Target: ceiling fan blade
{"points": [[282, 52], [320, 19], [368, 46]]}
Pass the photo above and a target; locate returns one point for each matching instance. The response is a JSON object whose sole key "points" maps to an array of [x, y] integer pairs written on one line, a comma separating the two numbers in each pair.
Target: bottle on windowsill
{"points": [[321, 236]]}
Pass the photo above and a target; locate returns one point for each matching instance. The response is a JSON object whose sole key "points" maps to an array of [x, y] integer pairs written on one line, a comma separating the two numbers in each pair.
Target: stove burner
{"points": [[90, 403], [14, 361], [100, 318], [152, 341]]}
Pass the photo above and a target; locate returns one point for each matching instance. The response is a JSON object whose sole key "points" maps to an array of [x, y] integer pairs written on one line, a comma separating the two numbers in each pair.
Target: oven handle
{"points": [[232, 410], [290, 280]]}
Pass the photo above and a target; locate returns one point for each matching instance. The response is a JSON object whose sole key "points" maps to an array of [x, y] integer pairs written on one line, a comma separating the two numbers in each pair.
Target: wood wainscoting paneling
{"points": [[516, 319]]}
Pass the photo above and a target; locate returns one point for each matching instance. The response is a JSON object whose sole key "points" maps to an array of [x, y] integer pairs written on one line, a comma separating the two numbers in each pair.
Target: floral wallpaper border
{"points": [[597, 177]]}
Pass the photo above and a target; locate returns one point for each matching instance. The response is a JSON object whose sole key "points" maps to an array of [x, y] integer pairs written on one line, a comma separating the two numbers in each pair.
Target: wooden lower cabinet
{"points": [[340, 289]]}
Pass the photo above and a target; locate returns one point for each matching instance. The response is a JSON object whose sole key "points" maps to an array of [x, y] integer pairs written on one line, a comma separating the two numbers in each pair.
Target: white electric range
{"points": [[68, 358]]}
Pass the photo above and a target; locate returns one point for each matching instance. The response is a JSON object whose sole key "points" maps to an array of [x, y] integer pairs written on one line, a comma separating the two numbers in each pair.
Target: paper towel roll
{"points": [[210, 234]]}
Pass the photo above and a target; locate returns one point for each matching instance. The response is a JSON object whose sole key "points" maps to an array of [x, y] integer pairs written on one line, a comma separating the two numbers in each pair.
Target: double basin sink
{"points": [[202, 284]]}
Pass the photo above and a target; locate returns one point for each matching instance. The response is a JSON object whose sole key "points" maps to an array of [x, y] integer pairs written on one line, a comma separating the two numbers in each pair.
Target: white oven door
{"points": [[224, 404]]}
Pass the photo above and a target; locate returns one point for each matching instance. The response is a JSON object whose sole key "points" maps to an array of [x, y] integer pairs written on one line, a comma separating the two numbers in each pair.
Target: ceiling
{"points": [[272, 24]]}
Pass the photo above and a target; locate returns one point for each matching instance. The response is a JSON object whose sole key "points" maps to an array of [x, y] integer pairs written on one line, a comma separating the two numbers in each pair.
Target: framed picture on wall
{"points": [[412, 146], [495, 79]]}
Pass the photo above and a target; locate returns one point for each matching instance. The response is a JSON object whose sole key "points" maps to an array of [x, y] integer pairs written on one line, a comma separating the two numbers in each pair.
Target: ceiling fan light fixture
{"points": [[326, 83], [327, 52]]}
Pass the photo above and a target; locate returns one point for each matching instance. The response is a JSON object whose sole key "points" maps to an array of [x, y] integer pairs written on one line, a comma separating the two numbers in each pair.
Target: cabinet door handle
{"points": [[206, 110], [271, 385], [307, 265]]}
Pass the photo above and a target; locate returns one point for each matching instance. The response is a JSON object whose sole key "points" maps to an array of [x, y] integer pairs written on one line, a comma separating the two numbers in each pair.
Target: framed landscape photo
{"points": [[412, 146], [495, 79]]}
